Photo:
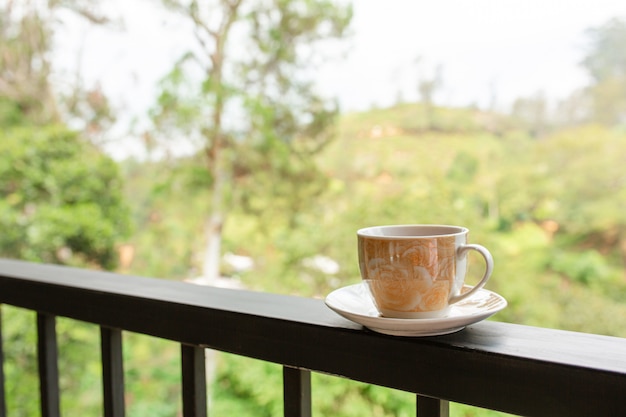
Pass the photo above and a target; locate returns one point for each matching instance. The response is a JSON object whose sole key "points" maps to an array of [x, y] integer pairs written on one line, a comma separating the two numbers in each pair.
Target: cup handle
{"points": [[462, 251]]}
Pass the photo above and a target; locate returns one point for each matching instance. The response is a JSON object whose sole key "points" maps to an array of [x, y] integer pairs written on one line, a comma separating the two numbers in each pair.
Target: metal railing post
{"points": [[296, 392], [47, 354], [431, 407], [194, 381], [112, 372]]}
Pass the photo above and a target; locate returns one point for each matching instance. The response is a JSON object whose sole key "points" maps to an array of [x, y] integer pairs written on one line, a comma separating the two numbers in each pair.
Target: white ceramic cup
{"points": [[417, 271]]}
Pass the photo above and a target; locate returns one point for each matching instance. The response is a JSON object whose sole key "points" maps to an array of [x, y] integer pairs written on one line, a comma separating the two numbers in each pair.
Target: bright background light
{"points": [[490, 51]]}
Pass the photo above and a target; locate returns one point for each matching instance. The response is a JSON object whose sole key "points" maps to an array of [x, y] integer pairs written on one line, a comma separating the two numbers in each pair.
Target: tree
{"points": [[27, 30], [606, 64], [532, 114], [25, 42], [60, 198], [427, 86], [243, 93]]}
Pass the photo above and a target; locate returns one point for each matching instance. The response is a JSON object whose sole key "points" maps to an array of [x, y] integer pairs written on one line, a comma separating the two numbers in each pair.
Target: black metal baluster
{"points": [[194, 381], [3, 404], [112, 372], [432, 407], [296, 392], [47, 353]]}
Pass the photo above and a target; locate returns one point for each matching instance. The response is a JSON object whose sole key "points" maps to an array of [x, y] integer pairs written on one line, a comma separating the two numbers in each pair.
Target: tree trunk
{"points": [[216, 140], [215, 223], [211, 262]]}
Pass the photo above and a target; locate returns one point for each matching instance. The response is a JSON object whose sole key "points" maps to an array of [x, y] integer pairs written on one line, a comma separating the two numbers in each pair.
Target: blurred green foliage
{"points": [[604, 62], [62, 199]]}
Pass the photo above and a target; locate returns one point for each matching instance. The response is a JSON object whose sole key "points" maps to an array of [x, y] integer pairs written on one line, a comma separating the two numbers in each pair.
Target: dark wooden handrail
{"points": [[512, 368]]}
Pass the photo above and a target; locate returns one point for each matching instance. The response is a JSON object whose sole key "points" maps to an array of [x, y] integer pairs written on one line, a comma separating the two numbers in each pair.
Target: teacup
{"points": [[417, 271]]}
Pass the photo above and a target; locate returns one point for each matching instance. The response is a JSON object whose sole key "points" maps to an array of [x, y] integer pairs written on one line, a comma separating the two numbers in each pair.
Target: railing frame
{"points": [[517, 369]]}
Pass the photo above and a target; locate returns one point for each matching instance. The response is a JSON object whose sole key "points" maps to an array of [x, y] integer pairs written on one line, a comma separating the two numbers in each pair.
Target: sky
{"points": [[490, 52], [488, 49]]}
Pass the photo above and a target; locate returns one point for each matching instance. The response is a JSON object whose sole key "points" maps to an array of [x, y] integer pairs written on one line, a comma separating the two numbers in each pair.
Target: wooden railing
{"points": [[512, 368]]}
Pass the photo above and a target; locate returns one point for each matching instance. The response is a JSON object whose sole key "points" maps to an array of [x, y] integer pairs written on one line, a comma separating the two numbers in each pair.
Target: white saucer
{"points": [[354, 303]]}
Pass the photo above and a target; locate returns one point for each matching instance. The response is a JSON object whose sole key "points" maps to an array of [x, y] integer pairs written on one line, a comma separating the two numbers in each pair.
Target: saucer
{"points": [[354, 303]]}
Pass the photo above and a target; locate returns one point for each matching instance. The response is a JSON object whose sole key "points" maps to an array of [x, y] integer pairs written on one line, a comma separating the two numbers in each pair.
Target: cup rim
{"points": [[428, 231]]}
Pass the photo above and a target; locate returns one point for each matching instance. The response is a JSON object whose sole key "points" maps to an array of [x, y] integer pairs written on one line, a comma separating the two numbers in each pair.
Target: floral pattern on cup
{"points": [[410, 275]]}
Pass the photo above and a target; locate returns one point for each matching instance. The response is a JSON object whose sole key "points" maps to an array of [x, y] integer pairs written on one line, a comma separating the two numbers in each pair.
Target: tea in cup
{"points": [[417, 271]]}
